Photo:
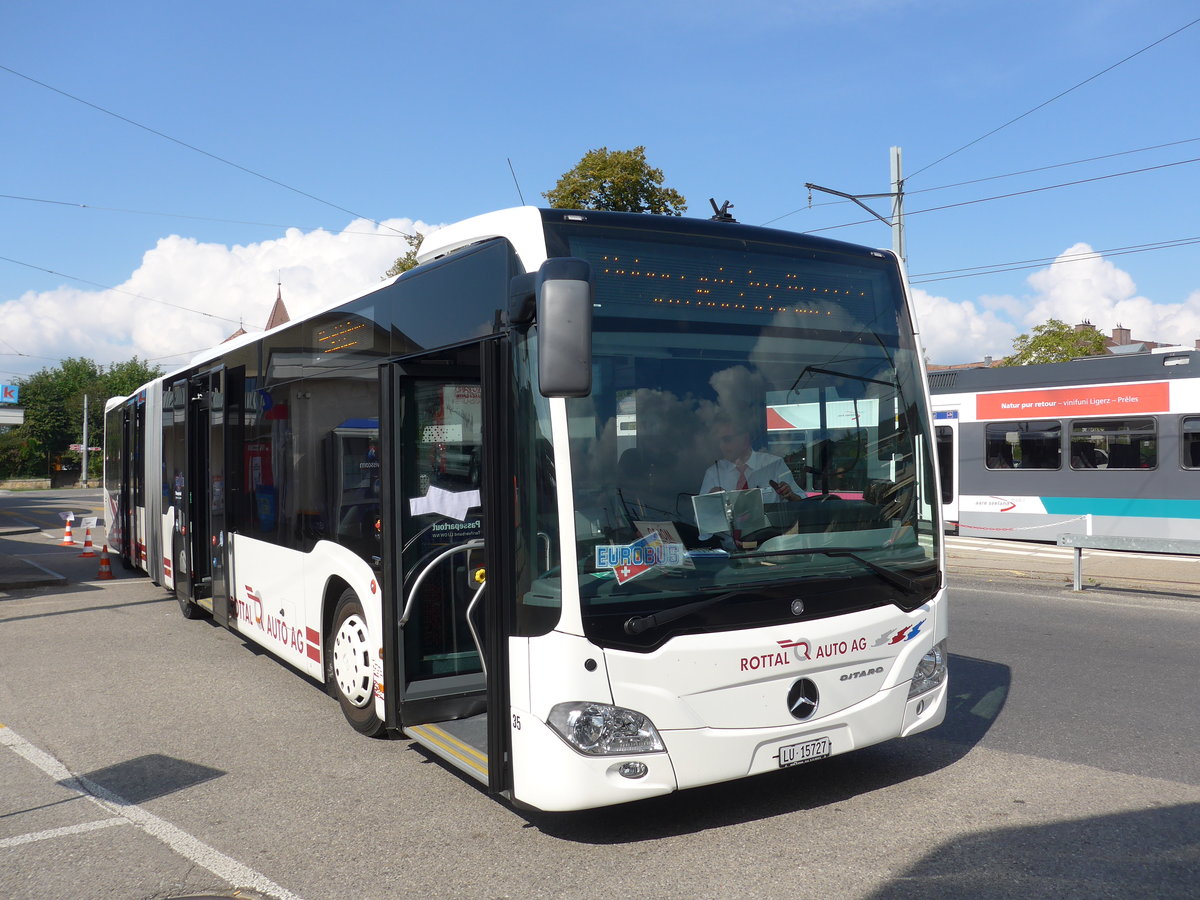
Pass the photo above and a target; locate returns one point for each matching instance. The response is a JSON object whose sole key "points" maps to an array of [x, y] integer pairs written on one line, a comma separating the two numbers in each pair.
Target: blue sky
{"points": [[407, 115]]}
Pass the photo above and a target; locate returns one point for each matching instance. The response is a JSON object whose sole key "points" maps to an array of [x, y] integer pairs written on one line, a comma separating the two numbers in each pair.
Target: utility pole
{"points": [[896, 222], [898, 243], [84, 474]]}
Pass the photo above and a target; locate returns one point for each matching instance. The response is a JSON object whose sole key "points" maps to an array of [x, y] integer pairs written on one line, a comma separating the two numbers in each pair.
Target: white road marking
{"points": [[51, 833], [187, 846]]}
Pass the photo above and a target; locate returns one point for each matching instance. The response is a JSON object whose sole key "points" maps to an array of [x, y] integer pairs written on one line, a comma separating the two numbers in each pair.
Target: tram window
{"points": [[1114, 444], [1023, 445], [1191, 442]]}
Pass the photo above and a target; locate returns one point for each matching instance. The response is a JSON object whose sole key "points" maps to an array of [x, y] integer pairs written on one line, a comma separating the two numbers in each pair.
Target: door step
{"points": [[461, 742]]}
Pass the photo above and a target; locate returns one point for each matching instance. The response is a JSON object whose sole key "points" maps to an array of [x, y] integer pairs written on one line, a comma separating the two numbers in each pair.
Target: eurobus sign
{"points": [[1148, 397]]}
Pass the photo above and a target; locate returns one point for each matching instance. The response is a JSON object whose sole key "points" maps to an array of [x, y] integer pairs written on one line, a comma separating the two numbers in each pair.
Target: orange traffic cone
{"points": [[67, 540], [105, 573], [88, 549]]}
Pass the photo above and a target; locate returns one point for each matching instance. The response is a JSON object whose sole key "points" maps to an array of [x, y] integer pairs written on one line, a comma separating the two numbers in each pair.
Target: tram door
{"points": [[946, 438], [444, 620]]}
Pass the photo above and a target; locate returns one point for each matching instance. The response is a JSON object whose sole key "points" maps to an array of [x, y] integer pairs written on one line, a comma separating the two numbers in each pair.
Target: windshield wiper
{"points": [[638, 624], [903, 582]]}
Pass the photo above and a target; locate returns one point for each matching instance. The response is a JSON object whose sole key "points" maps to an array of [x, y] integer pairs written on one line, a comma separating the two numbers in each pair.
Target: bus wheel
{"points": [[348, 666], [189, 609]]}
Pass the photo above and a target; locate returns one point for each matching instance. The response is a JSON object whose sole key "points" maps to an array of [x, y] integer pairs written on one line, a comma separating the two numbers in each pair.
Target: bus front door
{"points": [[441, 604]]}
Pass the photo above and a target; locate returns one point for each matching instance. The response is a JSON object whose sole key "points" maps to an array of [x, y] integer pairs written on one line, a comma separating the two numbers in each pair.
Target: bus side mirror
{"points": [[563, 288]]}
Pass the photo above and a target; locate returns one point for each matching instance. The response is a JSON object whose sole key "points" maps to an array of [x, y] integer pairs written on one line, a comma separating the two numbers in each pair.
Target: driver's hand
{"points": [[785, 491]]}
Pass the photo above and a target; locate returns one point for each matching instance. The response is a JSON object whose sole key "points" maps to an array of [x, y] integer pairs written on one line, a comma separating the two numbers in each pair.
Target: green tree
{"points": [[1054, 341], [616, 180], [409, 259], [122, 379], [53, 403]]}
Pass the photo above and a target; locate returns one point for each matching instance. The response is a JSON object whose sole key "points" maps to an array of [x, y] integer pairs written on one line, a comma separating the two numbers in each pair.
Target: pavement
{"points": [[31, 557], [1102, 570], [32, 530], [18, 571]]}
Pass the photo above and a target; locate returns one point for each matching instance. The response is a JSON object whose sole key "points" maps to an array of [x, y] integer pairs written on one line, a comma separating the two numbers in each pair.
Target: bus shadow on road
{"points": [[978, 691], [1144, 853], [147, 777]]}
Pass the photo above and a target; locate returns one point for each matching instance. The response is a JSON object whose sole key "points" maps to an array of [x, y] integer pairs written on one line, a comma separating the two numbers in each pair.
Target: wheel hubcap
{"points": [[352, 661]]}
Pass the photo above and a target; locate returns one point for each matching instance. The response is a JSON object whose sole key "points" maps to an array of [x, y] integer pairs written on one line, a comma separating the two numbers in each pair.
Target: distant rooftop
{"points": [[279, 316], [1121, 343]]}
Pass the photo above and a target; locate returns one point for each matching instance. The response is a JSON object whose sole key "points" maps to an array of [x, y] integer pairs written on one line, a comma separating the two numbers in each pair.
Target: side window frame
{"points": [[1028, 445], [1189, 442], [1117, 445]]}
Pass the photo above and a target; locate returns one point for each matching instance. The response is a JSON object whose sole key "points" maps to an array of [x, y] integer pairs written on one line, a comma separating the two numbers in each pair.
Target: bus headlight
{"points": [[597, 729], [931, 671]]}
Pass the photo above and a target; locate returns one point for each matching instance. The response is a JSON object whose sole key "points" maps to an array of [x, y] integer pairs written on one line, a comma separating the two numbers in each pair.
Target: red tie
{"points": [[742, 484]]}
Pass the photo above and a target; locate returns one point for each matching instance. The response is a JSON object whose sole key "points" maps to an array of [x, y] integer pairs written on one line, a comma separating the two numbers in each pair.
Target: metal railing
{"points": [[1081, 542]]}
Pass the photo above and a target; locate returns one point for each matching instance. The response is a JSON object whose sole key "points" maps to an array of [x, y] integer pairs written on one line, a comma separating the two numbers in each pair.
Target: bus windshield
{"points": [[753, 448]]}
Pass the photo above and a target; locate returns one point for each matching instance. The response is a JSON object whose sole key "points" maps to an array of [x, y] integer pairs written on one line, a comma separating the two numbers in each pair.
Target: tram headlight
{"points": [[597, 729], [931, 671]]}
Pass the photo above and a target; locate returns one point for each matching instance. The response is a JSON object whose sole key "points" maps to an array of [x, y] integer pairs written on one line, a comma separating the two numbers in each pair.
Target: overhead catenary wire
{"points": [[1046, 103], [1049, 187], [106, 287], [980, 180], [192, 147], [194, 218], [1017, 265]]}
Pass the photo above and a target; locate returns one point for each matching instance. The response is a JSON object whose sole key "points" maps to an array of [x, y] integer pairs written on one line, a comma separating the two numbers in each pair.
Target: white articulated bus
{"points": [[470, 502]]}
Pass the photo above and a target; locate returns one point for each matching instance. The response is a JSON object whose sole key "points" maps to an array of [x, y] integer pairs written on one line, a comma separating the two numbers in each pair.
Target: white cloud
{"points": [[232, 284], [960, 331], [1094, 289], [1077, 286], [222, 286]]}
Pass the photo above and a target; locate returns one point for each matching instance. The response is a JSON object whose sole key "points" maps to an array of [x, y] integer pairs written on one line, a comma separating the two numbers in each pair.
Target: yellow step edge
{"points": [[464, 753]]}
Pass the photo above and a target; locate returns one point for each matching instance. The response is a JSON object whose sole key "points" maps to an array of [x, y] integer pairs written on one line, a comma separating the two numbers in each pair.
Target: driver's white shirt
{"points": [[761, 469]]}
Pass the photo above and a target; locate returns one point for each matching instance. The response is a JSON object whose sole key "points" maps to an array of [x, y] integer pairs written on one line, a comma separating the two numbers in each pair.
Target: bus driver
{"points": [[740, 467]]}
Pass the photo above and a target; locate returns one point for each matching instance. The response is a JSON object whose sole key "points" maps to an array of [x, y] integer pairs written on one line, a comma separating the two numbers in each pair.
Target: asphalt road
{"points": [[145, 756]]}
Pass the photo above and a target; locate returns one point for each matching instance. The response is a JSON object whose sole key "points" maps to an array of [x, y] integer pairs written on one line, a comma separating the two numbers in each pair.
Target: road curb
{"points": [[24, 528], [46, 578], [1091, 583]]}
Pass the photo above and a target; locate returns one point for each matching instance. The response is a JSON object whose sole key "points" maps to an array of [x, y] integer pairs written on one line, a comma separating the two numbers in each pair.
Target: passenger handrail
{"points": [[412, 592], [474, 633]]}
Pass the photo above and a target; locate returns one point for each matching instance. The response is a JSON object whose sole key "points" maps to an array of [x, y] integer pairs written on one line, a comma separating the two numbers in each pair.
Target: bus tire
{"points": [[189, 609], [348, 674]]}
